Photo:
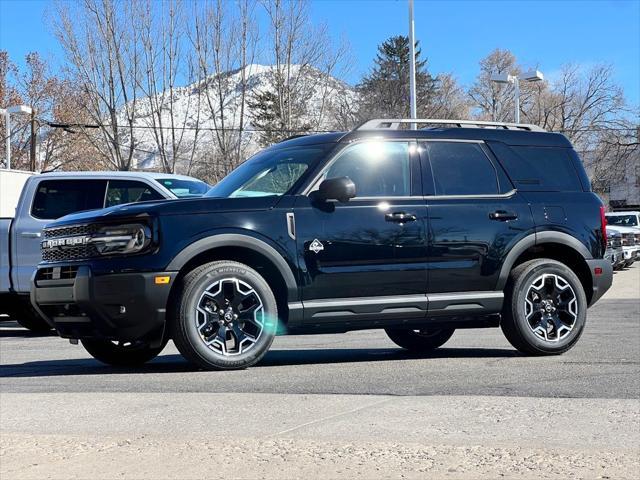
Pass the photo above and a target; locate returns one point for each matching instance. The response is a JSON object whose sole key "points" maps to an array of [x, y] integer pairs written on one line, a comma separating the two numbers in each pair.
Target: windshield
{"points": [[622, 220], [184, 188], [270, 172]]}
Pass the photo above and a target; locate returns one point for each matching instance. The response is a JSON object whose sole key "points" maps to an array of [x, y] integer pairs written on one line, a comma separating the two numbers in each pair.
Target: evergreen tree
{"points": [[385, 91]]}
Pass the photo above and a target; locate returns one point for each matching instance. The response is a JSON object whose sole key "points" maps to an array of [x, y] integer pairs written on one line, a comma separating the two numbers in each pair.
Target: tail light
{"points": [[603, 227]]}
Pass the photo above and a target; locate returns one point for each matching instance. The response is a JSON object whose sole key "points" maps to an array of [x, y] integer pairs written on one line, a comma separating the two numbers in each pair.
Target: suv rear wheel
{"points": [[423, 340], [545, 308], [226, 316]]}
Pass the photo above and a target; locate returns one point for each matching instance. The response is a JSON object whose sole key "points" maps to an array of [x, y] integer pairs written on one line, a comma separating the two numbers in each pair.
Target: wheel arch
{"points": [[253, 252], [555, 245]]}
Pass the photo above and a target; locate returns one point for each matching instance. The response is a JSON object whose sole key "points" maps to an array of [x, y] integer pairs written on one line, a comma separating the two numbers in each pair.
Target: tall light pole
{"points": [[412, 66], [18, 109], [531, 76]]}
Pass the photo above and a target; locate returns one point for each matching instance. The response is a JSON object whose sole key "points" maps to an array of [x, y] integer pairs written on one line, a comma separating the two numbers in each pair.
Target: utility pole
{"points": [[34, 141], [412, 66]]}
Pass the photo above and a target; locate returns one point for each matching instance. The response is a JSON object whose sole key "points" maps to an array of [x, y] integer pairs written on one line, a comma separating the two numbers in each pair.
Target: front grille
{"points": [[78, 252], [628, 239], [70, 231], [637, 238]]}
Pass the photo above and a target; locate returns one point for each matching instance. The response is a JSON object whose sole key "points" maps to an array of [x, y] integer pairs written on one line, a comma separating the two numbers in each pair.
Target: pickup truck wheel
{"points": [[423, 340], [31, 320], [226, 316], [545, 308], [121, 354]]}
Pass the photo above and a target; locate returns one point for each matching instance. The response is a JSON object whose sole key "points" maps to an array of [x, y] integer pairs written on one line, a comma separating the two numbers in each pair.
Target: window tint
{"points": [[129, 191], [461, 169], [378, 169], [540, 168], [57, 198]]}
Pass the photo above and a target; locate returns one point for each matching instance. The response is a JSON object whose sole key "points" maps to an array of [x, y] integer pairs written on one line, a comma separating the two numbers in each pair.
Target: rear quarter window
{"points": [[539, 168]]}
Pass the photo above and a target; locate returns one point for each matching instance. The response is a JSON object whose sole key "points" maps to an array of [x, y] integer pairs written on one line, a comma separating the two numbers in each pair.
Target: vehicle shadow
{"points": [[173, 363], [11, 328]]}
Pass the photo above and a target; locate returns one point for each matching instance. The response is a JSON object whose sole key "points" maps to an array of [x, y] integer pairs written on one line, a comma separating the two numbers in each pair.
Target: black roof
{"points": [[510, 137]]}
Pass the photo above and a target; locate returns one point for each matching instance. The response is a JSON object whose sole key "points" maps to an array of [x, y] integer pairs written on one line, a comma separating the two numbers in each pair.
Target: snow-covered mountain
{"points": [[192, 113]]}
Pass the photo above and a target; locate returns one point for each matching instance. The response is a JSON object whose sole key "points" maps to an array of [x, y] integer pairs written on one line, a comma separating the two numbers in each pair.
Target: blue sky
{"points": [[454, 35]]}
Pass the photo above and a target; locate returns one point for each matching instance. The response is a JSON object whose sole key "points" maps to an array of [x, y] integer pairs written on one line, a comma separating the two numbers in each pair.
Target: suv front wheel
{"points": [[225, 317], [545, 308]]}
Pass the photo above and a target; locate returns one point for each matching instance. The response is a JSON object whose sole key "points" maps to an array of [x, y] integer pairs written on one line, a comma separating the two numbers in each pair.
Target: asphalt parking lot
{"points": [[351, 406]]}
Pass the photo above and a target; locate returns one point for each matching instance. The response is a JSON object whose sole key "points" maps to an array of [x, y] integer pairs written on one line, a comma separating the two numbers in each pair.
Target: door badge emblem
{"points": [[316, 246]]}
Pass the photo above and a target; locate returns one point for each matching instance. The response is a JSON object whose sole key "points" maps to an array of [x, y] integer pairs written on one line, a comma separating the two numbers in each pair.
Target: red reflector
{"points": [[597, 270]]}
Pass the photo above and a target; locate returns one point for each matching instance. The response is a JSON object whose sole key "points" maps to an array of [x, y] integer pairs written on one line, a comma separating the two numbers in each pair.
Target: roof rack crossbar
{"points": [[394, 124]]}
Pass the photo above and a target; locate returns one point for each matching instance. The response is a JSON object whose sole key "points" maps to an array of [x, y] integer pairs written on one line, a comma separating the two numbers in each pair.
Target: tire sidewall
{"points": [[518, 307], [187, 315]]}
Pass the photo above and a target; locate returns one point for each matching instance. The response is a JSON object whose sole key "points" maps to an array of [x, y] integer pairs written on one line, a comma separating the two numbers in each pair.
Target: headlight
{"points": [[113, 239]]}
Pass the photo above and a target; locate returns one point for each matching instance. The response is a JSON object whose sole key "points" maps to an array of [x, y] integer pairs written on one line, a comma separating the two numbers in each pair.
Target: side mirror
{"points": [[341, 189]]}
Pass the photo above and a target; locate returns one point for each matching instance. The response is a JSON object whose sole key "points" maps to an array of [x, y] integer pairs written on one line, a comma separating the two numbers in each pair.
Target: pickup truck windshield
{"points": [[184, 188], [622, 220], [270, 172]]}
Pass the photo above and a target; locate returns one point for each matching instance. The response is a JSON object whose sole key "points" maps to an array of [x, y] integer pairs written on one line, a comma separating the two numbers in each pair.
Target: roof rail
{"points": [[394, 124]]}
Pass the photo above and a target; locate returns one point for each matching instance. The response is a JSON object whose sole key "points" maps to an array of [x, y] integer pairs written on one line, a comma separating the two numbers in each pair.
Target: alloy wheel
{"points": [[230, 317], [551, 307]]}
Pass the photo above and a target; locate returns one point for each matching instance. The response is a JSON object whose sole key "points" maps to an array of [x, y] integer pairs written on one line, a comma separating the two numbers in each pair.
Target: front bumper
{"points": [[122, 306], [601, 281], [631, 253]]}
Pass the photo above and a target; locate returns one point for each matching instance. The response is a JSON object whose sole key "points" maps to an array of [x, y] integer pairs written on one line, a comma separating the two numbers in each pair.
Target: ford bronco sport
{"points": [[460, 224]]}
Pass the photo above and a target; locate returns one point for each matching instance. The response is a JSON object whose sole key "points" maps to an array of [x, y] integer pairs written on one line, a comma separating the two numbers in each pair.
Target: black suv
{"points": [[416, 231]]}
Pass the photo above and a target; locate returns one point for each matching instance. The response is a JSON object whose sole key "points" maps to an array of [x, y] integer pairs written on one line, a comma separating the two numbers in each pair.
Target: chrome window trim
{"points": [[508, 194]]}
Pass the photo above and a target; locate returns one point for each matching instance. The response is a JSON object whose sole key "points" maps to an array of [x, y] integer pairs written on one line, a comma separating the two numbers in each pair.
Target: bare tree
{"points": [[224, 47], [494, 101], [304, 61], [102, 42]]}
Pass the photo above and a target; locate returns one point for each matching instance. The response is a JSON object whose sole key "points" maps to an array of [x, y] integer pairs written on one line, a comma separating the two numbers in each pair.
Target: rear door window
{"points": [[129, 191], [57, 198], [461, 168]]}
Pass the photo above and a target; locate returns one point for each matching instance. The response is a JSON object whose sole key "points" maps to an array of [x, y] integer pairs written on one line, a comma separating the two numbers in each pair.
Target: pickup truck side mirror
{"points": [[340, 188]]}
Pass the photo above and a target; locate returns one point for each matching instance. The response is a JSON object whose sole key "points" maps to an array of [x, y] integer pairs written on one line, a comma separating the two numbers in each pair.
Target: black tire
{"points": [[29, 318], [121, 354], [515, 326], [193, 328], [421, 341]]}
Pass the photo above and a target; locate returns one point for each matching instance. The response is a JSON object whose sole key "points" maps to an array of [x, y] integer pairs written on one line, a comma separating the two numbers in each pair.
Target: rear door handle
{"points": [[31, 234], [503, 215], [400, 217]]}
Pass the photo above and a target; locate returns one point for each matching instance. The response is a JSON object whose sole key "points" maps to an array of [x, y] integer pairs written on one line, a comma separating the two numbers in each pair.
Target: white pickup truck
{"points": [[28, 202]]}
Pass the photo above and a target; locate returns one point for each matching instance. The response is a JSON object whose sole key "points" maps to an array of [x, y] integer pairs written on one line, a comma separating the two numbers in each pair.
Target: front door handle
{"points": [[31, 234], [400, 217], [503, 215]]}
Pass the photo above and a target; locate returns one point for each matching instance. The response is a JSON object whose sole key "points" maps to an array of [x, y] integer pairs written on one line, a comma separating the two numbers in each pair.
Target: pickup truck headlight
{"points": [[121, 239]]}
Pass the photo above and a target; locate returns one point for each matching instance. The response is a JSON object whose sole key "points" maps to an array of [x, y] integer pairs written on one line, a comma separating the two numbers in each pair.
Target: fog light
{"points": [[123, 309]]}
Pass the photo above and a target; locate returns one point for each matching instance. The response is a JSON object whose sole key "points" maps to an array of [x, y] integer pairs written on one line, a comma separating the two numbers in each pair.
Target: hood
{"points": [[620, 229], [190, 206]]}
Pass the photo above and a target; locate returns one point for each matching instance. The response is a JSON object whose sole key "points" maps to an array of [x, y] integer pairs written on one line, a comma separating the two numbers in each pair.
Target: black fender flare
{"points": [[235, 240], [538, 238]]}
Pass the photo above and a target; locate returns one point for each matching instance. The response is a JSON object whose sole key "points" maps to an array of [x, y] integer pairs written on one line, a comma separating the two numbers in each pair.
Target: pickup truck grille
{"points": [[615, 242], [628, 239]]}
